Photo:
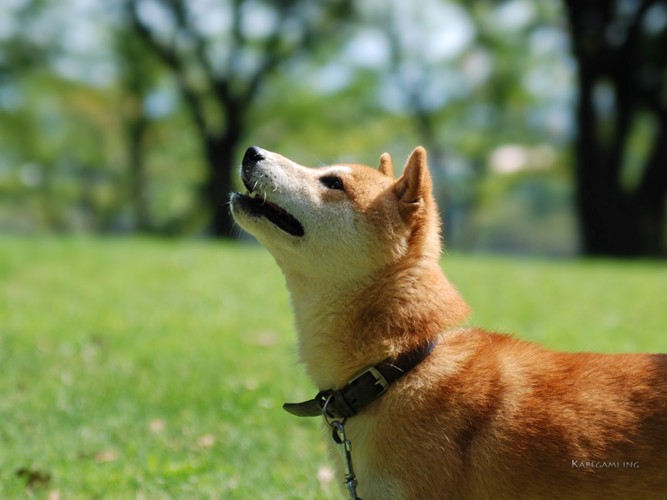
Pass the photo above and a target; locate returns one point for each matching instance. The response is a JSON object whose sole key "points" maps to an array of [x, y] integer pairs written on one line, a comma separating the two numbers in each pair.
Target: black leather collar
{"points": [[364, 388]]}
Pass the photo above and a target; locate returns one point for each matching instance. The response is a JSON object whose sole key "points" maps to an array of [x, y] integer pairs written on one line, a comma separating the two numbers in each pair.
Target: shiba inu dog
{"points": [[466, 413]]}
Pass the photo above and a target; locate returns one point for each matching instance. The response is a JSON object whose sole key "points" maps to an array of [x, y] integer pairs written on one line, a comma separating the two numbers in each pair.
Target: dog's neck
{"points": [[345, 327]]}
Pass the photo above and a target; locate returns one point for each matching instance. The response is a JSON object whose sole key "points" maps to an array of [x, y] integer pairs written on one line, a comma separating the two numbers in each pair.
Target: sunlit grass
{"points": [[148, 368], [582, 305]]}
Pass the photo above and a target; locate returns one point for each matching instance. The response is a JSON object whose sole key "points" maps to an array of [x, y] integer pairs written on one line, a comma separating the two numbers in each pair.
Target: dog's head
{"points": [[342, 220]]}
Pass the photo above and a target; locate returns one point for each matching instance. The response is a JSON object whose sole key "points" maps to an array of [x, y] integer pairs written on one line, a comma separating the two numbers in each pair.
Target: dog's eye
{"points": [[332, 182]]}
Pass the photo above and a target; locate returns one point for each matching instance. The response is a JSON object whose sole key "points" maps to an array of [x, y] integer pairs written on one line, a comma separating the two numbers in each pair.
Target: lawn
{"points": [[156, 369]]}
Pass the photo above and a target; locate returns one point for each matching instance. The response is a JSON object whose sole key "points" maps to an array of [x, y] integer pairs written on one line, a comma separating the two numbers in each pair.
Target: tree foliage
{"points": [[132, 114], [220, 67]]}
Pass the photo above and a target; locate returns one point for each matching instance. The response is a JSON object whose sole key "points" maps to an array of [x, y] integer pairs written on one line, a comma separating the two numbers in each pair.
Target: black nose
{"points": [[252, 155]]}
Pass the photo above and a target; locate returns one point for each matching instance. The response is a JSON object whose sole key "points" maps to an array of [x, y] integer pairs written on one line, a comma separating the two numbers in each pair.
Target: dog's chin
{"points": [[257, 207]]}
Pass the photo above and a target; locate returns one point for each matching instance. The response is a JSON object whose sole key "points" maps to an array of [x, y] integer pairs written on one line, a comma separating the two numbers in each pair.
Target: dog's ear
{"points": [[385, 165], [415, 184]]}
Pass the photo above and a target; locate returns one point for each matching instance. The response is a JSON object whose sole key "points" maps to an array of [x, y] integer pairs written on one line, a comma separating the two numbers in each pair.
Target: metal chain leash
{"points": [[344, 446]]}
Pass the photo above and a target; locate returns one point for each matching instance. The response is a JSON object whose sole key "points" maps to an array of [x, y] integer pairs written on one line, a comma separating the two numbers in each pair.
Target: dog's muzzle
{"points": [[255, 202]]}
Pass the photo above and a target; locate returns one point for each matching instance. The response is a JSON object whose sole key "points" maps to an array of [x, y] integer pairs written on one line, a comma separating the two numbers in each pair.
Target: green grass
{"points": [[151, 369]]}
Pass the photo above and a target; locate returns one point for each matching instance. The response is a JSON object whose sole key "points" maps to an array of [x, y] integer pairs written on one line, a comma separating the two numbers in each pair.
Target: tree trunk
{"points": [[136, 131], [652, 196], [220, 159], [616, 220]]}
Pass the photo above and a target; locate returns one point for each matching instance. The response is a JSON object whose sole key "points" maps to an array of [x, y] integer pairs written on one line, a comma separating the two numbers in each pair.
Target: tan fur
{"points": [[486, 415]]}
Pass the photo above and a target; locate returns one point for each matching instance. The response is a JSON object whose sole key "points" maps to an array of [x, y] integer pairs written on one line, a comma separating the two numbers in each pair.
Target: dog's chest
{"points": [[375, 480]]}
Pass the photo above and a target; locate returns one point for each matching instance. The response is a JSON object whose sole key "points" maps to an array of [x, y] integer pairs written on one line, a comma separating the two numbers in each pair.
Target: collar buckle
{"points": [[377, 378]]}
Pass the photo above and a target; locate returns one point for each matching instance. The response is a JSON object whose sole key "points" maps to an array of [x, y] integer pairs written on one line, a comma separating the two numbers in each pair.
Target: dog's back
{"points": [[502, 418]]}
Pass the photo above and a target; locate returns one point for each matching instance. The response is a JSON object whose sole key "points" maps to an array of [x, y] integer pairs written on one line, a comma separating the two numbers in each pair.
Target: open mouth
{"points": [[256, 205]]}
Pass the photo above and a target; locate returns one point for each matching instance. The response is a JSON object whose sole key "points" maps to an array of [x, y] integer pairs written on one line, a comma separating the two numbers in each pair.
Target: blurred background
{"points": [[545, 121], [155, 367]]}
